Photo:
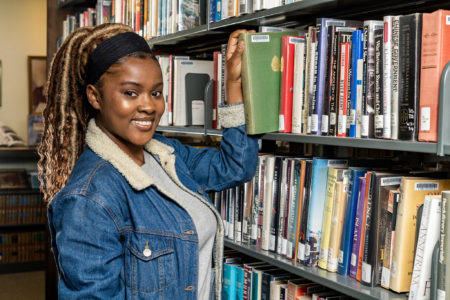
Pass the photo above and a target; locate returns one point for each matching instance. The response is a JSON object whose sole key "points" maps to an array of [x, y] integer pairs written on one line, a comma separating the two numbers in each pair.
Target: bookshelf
{"points": [[209, 36]]}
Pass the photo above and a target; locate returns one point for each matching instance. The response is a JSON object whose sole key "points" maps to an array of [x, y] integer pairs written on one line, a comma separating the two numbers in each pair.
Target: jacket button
{"points": [[147, 252], [189, 288]]}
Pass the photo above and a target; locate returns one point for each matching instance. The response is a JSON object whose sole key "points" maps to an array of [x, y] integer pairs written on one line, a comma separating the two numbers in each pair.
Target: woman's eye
{"points": [[130, 93]]}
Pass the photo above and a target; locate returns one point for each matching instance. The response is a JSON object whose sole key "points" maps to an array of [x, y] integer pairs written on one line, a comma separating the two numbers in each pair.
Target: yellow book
{"points": [[412, 195], [334, 174], [337, 221]]}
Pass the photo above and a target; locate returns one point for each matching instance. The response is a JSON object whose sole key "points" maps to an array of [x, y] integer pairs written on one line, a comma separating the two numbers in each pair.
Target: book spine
{"points": [[247, 208], [334, 57], [444, 247], [379, 104], [387, 77], [293, 210], [395, 76], [410, 49], [309, 58], [358, 229], [273, 228], [282, 204], [313, 118], [290, 170], [238, 213], [255, 204], [327, 89], [299, 86], [344, 75], [356, 84], [304, 216], [435, 55], [261, 203]]}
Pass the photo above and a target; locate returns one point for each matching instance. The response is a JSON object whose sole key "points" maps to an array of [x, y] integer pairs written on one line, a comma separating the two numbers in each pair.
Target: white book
{"points": [[298, 93], [312, 52], [267, 210], [270, 4], [194, 74], [282, 204], [257, 5], [387, 76], [154, 18], [219, 85], [245, 7], [164, 62], [394, 76], [427, 238]]}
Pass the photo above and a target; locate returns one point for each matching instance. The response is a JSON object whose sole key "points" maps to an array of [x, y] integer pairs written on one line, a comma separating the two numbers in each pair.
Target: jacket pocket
{"points": [[150, 262]]}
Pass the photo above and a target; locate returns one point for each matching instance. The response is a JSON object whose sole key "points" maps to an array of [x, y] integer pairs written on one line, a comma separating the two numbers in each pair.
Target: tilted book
{"points": [[261, 66]]}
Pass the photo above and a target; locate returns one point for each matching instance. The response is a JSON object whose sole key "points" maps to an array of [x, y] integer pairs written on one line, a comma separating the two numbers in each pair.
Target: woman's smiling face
{"points": [[129, 102]]}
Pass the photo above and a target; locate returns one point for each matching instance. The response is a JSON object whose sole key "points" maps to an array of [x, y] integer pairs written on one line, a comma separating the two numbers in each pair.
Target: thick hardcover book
{"points": [[247, 209], [303, 226], [413, 192], [268, 277], [334, 174], [394, 76], [379, 105], [257, 280], [426, 240], [248, 273], [316, 206], [344, 53], [240, 275], [188, 14], [435, 54], [255, 203], [261, 65], [337, 222], [410, 49], [261, 195], [359, 226], [239, 215], [372, 263], [287, 81], [299, 87], [354, 119], [345, 249], [229, 281], [393, 199], [287, 207], [368, 102], [164, 62], [276, 288]]}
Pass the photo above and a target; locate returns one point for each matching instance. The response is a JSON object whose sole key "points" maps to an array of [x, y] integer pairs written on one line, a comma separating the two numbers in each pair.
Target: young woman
{"points": [[128, 211]]}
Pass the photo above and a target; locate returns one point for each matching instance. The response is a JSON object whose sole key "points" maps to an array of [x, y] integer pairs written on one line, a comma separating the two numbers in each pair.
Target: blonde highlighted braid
{"points": [[67, 112]]}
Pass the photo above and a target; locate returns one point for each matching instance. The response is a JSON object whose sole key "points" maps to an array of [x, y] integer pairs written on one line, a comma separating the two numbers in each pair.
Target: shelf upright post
{"points": [[443, 139]]}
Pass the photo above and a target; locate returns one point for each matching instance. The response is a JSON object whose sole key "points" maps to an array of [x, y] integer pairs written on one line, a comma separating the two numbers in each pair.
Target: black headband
{"points": [[111, 50]]}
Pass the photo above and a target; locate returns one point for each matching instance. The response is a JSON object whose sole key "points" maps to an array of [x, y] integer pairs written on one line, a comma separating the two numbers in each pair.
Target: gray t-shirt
{"points": [[204, 220]]}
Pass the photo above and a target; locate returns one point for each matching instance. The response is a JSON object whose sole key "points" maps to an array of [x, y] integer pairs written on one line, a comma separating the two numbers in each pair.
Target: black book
{"points": [[409, 76], [379, 109], [273, 230], [344, 73]]}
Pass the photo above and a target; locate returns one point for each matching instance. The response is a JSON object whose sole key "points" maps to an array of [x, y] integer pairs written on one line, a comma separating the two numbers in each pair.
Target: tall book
{"points": [[275, 198], [345, 249], [310, 75], [303, 226], [334, 174], [261, 65], [393, 199], [387, 78], [378, 95], [413, 192], [282, 203], [316, 206], [435, 54], [255, 203], [287, 206], [428, 236], [269, 170], [395, 42], [295, 206], [287, 81], [368, 103], [247, 209], [337, 222], [356, 84], [409, 63], [261, 195], [299, 87]]}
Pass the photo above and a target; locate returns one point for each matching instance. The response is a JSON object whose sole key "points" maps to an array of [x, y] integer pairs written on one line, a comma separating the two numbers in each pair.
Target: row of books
{"points": [[249, 279], [322, 213], [224, 9], [349, 78], [22, 209], [22, 247], [149, 18]]}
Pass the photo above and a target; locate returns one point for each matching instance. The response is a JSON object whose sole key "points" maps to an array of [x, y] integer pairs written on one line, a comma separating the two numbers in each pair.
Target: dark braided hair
{"points": [[68, 111]]}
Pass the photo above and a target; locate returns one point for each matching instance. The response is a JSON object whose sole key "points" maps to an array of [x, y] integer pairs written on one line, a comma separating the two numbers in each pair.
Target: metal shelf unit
{"points": [[335, 281]]}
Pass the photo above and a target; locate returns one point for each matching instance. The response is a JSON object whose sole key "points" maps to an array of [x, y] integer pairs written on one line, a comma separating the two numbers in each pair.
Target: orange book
{"points": [[435, 54], [137, 19], [299, 207], [363, 228]]}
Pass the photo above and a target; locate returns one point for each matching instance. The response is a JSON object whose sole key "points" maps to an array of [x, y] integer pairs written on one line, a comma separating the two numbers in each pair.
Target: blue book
{"points": [[240, 271], [212, 10], [229, 281], [218, 10], [345, 249], [356, 82], [316, 207]]}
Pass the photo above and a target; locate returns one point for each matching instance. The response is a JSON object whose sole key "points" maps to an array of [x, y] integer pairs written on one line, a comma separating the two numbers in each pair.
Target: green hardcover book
{"points": [[261, 66]]}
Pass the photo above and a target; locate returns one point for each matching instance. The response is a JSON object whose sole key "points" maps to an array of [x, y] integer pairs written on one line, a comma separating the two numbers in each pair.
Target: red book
{"points": [[345, 51], [137, 18], [287, 81], [435, 54]]}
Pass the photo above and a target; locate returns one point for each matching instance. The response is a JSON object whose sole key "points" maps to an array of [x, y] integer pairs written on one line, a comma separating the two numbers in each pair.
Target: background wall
{"points": [[23, 33]]}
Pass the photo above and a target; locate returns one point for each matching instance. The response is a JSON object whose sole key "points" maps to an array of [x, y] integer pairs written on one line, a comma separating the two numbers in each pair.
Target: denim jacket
{"points": [[117, 234]]}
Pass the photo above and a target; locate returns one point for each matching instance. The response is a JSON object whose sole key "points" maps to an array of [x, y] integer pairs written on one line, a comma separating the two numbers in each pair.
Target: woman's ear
{"points": [[93, 95]]}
